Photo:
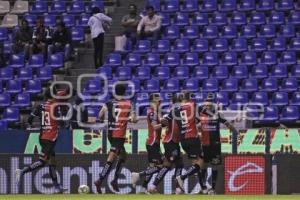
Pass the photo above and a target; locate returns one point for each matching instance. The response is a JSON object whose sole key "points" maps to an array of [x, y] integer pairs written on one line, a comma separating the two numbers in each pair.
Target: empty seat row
{"points": [[27, 73], [20, 100], [19, 7], [16, 86]]}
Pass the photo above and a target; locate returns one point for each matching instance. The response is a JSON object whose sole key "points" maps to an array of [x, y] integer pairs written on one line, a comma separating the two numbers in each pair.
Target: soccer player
{"points": [[152, 144], [172, 152], [119, 114], [48, 112], [210, 138]]}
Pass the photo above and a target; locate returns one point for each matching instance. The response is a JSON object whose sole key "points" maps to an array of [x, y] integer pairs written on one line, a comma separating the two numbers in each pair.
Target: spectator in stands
{"points": [[23, 39], [61, 40], [97, 22], [130, 23], [41, 38], [150, 25]]}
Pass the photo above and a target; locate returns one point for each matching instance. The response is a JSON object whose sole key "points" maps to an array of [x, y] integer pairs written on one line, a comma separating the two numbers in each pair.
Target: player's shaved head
{"points": [[120, 89]]}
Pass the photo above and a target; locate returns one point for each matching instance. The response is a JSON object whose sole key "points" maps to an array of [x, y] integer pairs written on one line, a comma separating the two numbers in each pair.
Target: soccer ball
{"points": [[83, 189]]}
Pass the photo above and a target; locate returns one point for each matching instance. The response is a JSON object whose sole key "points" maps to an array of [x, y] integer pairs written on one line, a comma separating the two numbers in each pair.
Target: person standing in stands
{"points": [[97, 23], [150, 25], [23, 39]]}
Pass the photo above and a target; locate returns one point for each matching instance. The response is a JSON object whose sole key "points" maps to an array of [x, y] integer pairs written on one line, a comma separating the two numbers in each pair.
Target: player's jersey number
{"points": [[45, 118]]}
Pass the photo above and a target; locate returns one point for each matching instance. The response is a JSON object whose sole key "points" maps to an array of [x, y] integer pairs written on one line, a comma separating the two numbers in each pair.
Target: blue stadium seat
{"points": [[165, 19], [247, 5], [5, 100], [31, 19], [222, 98], [265, 5], [190, 6], [249, 85], [137, 86], [295, 44], [152, 60], [230, 85], [287, 31], [162, 73], [143, 46], [199, 98], [209, 6], [133, 60], [11, 114], [191, 59], [162, 46], [288, 58], [83, 20], [3, 125], [249, 58], [200, 73], [181, 73], [200, 19], [279, 71], [6, 73], [258, 18], [295, 71], [239, 45], [14, 86], [260, 98], [36, 61], [289, 85], [123, 73], [56, 60], [219, 19], [269, 58], [190, 32], [113, 60], [239, 18], [151, 85], [229, 31], [271, 114], [172, 32], [278, 44], [171, 6], [268, 31], [44, 74], [22, 100], [3, 34], [39, 7], [295, 99], [285, 5], [172, 59], [154, 3], [259, 71], [25, 73], [93, 86], [277, 18], [200, 45], [105, 71], [210, 58], [280, 99], [143, 73], [228, 6], [181, 46], [259, 44], [142, 98], [248, 31], [69, 20], [210, 32], [220, 72], [240, 98], [219, 45], [58, 7], [181, 19], [7, 47], [171, 85], [191, 85], [93, 111], [77, 34], [17, 61], [50, 20], [269, 85], [77, 7], [33, 86], [289, 114], [240, 72], [210, 85]]}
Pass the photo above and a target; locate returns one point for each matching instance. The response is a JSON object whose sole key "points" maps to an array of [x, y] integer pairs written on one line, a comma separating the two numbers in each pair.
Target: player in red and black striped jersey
{"points": [[210, 121], [119, 114], [155, 157], [50, 115]]}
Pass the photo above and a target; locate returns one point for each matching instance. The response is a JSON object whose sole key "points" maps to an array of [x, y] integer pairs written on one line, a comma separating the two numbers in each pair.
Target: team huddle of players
{"points": [[183, 125]]}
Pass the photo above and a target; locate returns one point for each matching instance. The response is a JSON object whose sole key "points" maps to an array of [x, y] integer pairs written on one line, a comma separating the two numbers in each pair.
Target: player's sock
{"points": [[202, 178], [214, 177], [38, 164], [53, 175], [146, 181], [192, 170], [161, 174], [118, 168], [149, 171], [106, 169]]}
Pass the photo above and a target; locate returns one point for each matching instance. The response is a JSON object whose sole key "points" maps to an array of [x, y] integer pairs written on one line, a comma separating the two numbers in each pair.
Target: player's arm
{"points": [[228, 124], [133, 117], [35, 113], [102, 113]]}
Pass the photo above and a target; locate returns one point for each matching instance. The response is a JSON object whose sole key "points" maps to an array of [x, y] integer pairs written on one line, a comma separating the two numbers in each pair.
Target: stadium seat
{"points": [[105, 71], [58, 7], [165, 19], [69, 20], [36, 61], [288, 58], [230, 85], [295, 99], [162, 73], [219, 19], [265, 5], [259, 71], [210, 58], [295, 71], [210, 32], [10, 21], [56, 60], [228, 6], [191, 85], [248, 31], [287, 31], [220, 45], [289, 85], [260, 98], [220, 72], [78, 34], [269, 85], [171, 6], [210, 85], [113, 60], [277, 18], [278, 44], [258, 44], [83, 20], [171, 85], [238, 18], [143, 73], [5, 100], [93, 86], [200, 73], [181, 46], [142, 98], [249, 58], [181, 73], [154, 3], [279, 71], [161, 46], [11, 114], [229, 58], [77, 7], [209, 6], [268, 31], [239, 72], [20, 7], [190, 6], [123, 73], [50, 20], [285, 5], [222, 98], [258, 18], [31, 19], [3, 34], [3, 125], [172, 59], [151, 85], [22, 100], [200, 19], [181, 19], [191, 59], [200, 45], [6, 73], [280, 99], [289, 114], [93, 111], [269, 58], [136, 84], [247, 5], [199, 98], [4, 7], [239, 45], [190, 32], [44, 74], [17, 61], [33, 86], [271, 114], [229, 31], [14, 86], [39, 7], [143, 46], [295, 44], [171, 32], [249, 85], [240, 98], [25, 73], [152, 60]]}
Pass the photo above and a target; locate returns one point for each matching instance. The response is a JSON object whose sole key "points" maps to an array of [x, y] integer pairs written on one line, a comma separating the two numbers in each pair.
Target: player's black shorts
{"points": [[192, 146], [117, 144], [172, 150], [48, 149], [212, 154], [154, 153]]}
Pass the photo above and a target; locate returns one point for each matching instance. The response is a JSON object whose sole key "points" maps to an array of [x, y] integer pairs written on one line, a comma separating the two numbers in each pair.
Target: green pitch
{"points": [[144, 197]]}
